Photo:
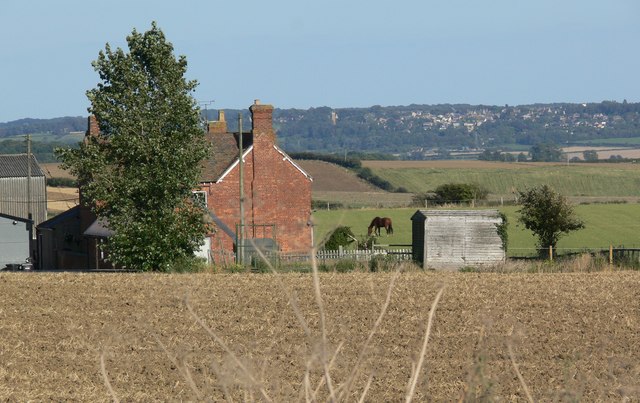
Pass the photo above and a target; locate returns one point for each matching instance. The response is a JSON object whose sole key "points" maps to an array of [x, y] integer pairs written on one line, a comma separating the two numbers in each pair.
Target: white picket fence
{"points": [[360, 255]]}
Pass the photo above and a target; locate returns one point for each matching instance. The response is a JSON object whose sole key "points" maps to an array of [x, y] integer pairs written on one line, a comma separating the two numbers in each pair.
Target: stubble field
{"points": [[97, 337]]}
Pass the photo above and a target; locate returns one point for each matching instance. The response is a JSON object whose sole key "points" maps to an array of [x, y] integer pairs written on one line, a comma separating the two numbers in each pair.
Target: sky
{"points": [[336, 53]]}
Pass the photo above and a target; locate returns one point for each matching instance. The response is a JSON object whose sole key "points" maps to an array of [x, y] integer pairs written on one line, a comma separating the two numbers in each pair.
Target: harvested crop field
{"points": [[61, 198], [332, 177], [572, 336]]}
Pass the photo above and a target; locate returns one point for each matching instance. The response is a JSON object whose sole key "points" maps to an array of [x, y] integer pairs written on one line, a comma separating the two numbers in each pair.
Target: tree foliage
{"points": [[341, 236], [545, 152], [547, 214], [138, 173], [590, 155], [451, 193]]}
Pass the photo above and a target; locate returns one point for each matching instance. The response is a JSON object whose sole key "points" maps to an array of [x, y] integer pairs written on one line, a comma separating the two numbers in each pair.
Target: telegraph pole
{"points": [[29, 176], [241, 172]]}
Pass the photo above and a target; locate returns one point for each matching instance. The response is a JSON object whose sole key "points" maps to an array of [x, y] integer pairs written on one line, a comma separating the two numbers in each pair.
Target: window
{"points": [[200, 198]]}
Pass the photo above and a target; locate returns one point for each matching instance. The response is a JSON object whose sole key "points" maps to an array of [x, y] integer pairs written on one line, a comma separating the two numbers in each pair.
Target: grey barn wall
{"points": [[14, 196]]}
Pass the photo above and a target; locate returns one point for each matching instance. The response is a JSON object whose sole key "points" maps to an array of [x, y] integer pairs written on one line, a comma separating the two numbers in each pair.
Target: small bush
{"points": [[189, 264], [62, 182], [346, 265], [341, 236], [382, 263]]}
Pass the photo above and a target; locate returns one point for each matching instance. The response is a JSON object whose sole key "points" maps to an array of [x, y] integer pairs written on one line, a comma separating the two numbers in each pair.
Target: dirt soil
{"points": [[98, 337]]}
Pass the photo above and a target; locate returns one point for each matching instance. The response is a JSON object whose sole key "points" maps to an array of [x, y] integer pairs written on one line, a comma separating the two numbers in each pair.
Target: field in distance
{"points": [[582, 182]]}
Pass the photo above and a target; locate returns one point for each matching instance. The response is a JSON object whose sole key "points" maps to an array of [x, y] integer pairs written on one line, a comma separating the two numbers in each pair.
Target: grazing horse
{"points": [[377, 223]]}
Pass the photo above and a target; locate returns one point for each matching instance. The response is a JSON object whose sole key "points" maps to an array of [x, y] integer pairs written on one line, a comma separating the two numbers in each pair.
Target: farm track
{"points": [[573, 336]]}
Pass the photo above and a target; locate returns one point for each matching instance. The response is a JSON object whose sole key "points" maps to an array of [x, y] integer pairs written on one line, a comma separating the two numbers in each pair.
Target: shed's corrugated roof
{"points": [[15, 166], [458, 213]]}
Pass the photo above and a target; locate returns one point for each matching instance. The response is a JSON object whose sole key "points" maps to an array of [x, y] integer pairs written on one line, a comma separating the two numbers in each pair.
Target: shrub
{"points": [[62, 182], [341, 236]]}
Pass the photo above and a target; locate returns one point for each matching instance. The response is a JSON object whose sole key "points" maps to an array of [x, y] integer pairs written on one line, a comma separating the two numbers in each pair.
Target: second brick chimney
{"points": [[217, 126]]}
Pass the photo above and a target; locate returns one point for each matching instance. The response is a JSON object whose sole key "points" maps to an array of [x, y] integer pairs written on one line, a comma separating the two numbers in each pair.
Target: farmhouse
{"points": [[22, 188], [451, 239], [277, 191], [277, 202]]}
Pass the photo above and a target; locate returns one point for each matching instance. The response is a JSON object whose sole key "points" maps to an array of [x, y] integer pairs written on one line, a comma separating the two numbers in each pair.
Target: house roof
{"points": [[16, 166], [224, 153]]}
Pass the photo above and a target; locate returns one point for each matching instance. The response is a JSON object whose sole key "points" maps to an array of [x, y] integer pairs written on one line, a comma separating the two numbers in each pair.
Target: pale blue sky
{"points": [[337, 53]]}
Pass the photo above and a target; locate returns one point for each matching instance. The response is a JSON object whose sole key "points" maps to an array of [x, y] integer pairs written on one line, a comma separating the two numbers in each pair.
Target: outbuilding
{"points": [[22, 187], [452, 239], [15, 240]]}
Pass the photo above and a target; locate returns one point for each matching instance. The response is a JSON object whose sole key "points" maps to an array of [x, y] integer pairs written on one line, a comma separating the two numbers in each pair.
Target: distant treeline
{"points": [[56, 126], [414, 129], [44, 151]]}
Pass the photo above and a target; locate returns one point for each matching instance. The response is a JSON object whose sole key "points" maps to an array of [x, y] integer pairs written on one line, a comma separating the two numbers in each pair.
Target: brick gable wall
{"points": [[276, 193]]}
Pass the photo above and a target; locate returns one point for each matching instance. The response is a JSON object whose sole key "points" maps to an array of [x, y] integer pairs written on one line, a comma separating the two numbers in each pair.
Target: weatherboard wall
{"points": [[451, 239]]}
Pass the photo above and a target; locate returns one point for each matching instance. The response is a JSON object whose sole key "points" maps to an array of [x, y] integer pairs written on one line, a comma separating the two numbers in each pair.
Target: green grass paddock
{"points": [[606, 224], [608, 180]]}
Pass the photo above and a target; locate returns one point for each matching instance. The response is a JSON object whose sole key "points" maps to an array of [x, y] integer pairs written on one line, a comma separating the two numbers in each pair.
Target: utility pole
{"points": [[29, 176], [240, 246]]}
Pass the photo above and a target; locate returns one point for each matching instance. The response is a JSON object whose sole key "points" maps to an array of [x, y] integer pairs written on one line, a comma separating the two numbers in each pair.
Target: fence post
{"points": [[550, 253], [340, 251], [611, 257]]}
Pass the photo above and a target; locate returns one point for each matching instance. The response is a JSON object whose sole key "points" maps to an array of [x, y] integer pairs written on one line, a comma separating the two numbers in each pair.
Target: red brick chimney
{"points": [[92, 126], [217, 126], [262, 123]]}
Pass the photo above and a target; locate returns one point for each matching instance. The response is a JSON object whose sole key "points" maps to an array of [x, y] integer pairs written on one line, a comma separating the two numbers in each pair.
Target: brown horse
{"points": [[377, 223]]}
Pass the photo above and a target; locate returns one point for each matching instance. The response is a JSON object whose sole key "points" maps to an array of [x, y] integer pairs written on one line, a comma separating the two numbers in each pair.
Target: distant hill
{"points": [[55, 126], [416, 130]]}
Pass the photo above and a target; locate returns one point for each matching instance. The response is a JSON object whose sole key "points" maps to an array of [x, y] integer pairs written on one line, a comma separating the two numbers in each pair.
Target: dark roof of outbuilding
{"points": [[16, 166]]}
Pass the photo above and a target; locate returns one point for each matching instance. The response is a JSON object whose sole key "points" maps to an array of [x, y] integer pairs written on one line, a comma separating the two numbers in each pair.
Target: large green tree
{"points": [[548, 215], [138, 173]]}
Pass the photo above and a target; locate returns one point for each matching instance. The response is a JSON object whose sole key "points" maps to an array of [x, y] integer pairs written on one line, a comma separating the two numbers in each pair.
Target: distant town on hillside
{"points": [[414, 131]]}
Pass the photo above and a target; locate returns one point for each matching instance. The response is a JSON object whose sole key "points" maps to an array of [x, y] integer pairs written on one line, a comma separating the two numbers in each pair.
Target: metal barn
{"points": [[22, 188], [452, 239]]}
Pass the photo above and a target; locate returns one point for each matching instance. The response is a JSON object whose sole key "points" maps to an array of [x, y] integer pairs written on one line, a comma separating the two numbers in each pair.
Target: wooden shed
{"points": [[452, 239]]}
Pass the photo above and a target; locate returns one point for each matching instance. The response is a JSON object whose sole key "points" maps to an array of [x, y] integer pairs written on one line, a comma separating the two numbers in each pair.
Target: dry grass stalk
{"points": [[105, 377], [323, 328], [233, 356], [520, 377], [182, 368], [365, 346], [417, 368]]}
